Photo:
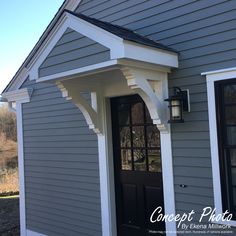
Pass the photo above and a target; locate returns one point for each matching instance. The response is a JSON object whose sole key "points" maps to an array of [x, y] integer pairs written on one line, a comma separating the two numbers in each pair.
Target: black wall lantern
{"points": [[178, 103]]}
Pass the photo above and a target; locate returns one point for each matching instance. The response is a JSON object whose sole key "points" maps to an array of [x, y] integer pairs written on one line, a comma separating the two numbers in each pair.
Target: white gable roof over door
{"points": [[122, 43]]}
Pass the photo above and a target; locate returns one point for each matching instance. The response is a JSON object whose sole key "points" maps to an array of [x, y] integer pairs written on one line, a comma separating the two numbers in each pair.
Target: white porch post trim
{"points": [[20, 96], [104, 185], [168, 180], [106, 193]]}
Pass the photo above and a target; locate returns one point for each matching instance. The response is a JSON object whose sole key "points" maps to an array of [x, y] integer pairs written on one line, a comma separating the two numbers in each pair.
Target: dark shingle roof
{"points": [[122, 32]]}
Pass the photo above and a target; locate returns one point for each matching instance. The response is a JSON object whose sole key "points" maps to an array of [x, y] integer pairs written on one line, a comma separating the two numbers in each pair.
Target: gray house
{"points": [[126, 120]]}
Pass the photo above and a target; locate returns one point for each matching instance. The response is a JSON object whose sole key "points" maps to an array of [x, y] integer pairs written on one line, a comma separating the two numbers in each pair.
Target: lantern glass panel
{"points": [[176, 109]]}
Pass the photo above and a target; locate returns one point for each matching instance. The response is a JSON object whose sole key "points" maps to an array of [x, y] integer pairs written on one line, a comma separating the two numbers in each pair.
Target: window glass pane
{"points": [[231, 135], [230, 93], [125, 140], [153, 136], [139, 160], [233, 172], [124, 114], [233, 157], [230, 115], [126, 159], [154, 160], [137, 113], [234, 197], [138, 136]]}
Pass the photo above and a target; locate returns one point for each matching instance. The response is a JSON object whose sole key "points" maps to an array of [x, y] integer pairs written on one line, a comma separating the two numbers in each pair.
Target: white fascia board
{"points": [[150, 54], [72, 4], [103, 66], [21, 77], [20, 95]]}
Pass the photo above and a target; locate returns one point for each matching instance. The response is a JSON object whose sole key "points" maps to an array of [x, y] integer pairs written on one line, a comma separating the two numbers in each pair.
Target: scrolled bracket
{"points": [[90, 111], [152, 86]]}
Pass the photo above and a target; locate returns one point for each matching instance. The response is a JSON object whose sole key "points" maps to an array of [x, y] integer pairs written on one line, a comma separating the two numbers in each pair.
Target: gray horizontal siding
{"points": [[61, 166], [73, 51], [204, 34]]}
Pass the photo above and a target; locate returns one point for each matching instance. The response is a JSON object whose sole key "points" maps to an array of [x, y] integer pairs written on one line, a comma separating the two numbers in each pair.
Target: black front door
{"points": [[138, 174]]}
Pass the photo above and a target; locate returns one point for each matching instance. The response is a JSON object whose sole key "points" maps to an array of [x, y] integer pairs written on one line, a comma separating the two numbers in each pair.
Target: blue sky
{"points": [[22, 22]]}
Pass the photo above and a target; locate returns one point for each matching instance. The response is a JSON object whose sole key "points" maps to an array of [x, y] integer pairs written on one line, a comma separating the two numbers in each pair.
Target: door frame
{"points": [[107, 176]]}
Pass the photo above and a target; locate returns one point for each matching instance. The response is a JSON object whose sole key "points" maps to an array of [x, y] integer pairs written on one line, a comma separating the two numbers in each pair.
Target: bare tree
{"points": [[7, 123]]}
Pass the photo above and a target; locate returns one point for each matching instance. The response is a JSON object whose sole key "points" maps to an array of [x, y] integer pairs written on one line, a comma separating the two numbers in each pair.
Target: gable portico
{"points": [[133, 67]]}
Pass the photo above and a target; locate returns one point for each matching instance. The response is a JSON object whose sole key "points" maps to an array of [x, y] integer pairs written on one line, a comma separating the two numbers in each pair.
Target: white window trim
{"points": [[20, 96], [211, 78]]}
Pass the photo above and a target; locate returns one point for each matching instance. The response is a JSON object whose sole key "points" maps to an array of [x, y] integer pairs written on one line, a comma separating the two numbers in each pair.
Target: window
{"points": [[225, 96], [221, 92]]}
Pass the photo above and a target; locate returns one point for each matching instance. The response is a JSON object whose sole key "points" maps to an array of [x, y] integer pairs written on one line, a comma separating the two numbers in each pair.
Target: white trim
{"points": [[33, 233], [119, 48], [21, 167], [211, 78], [168, 180], [106, 190], [149, 54], [91, 69], [219, 71], [20, 95], [22, 76], [71, 4]]}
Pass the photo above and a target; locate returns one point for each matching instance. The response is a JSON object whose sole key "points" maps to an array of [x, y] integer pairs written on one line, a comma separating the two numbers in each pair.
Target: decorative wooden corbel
{"points": [[152, 86], [91, 111]]}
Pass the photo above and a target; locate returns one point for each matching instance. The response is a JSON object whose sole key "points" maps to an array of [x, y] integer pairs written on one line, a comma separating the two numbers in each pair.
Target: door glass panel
{"points": [[154, 161], [148, 117], [124, 114], [231, 135], [137, 113], [126, 159], [139, 160], [138, 136], [230, 93], [125, 139], [230, 115], [153, 136]]}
